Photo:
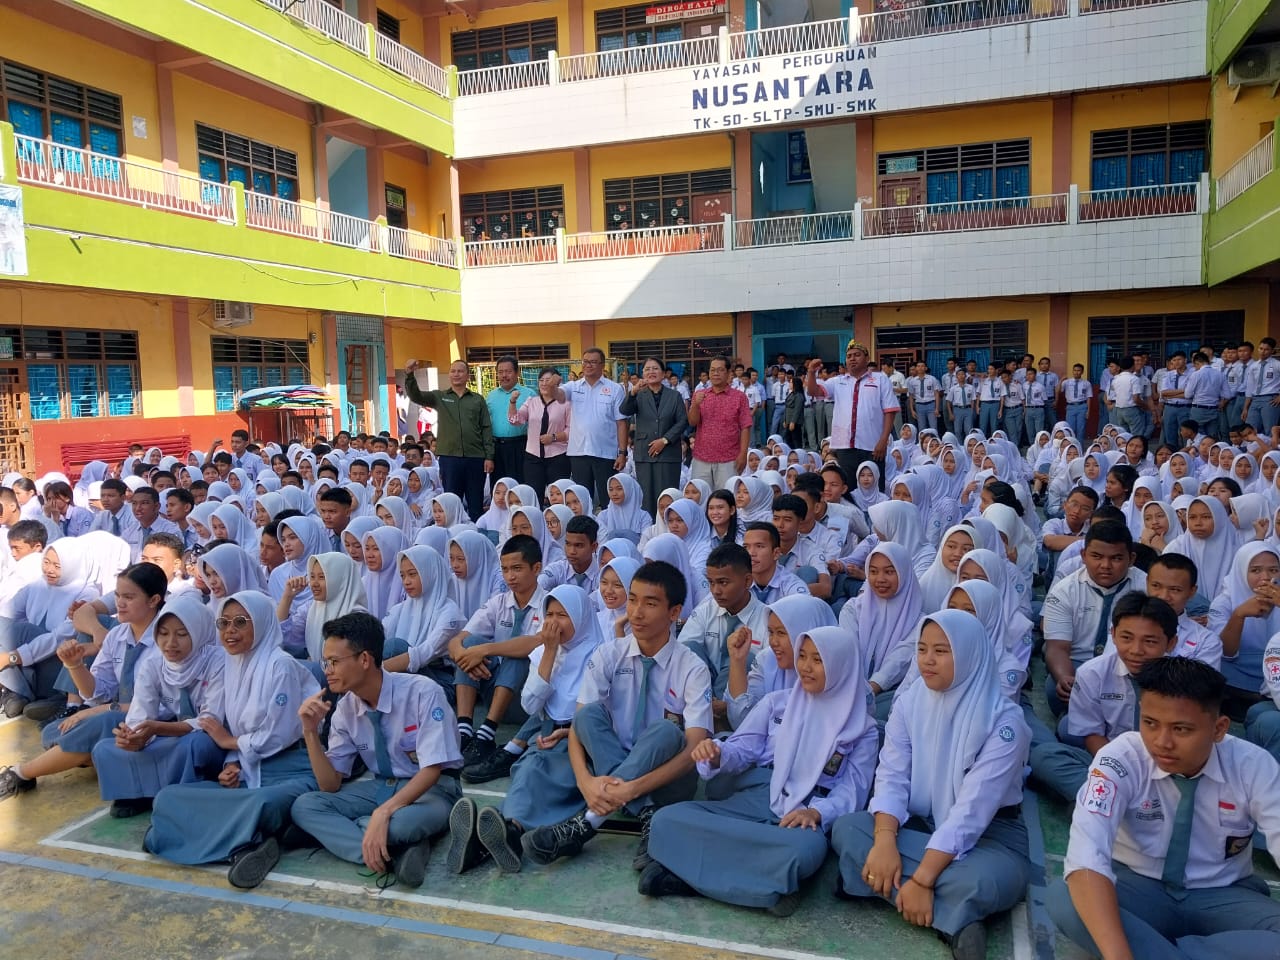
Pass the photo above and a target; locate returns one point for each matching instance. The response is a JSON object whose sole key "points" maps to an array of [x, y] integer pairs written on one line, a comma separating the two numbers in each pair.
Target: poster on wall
{"points": [[13, 238]]}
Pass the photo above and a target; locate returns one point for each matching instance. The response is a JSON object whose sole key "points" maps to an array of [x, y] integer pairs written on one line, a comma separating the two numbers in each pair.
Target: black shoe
{"points": [[11, 784], [51, 708], [12, 704], [480, 748], [465, 850], [493, 767], [501, 839], [970, 943], [410, 866], [293, 837], [785, 906], [658, 881], [251, 864], [124, 809], [564, 839], [464, 742], [642, 859]]}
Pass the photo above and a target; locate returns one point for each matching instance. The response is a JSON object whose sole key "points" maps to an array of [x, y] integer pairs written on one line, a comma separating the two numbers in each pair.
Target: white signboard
{"points": [[783, 89], [13, 238]]}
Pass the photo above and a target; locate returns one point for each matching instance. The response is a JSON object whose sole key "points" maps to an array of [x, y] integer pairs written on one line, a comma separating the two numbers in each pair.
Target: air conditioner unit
{"points": [[232, 313], [1255, 66]]}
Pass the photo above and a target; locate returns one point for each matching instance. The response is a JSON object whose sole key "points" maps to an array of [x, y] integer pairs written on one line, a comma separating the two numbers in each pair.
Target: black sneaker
{"points": [[658, 881], [293, 837], [786, 906], [970, 943], [465, 850], [464, 742], [251, 864], [11, 784], [501, 839], [642, 858], [564, 839], [479, 749], [493, 767], [12, 704], [410, 865], [51, 708], [124, 809]]}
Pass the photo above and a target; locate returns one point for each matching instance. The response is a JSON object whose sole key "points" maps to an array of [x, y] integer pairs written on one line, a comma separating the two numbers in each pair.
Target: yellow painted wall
{"points": [[35, 44], [677, 155], [1238, 119], [1005, 121], [279, 323], [515, 173], [1249, 297], [425, 204], [517, 336], [663, 328], [434, 342], [453, 23], [1034, 310], [195, 102], [410, 22], [1131, 107]]}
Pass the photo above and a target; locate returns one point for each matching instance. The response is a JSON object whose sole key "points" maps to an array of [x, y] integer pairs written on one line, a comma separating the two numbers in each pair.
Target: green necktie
{"points": [[1175, 858], [637, 722], [517, 620], [579, 579], [1104, 621], [1137, 705]]}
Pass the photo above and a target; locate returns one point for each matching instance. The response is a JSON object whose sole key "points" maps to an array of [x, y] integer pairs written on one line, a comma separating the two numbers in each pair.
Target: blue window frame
{"points": [[47, 107], [77, 373], [1137, 161], [229, 158], [247, 363], [972, 173]]}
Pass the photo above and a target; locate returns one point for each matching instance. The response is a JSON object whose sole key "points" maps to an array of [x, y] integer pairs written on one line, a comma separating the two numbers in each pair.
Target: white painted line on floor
{"points": [[137, 855], [77, 824], [477, 792], [1022, 948]]}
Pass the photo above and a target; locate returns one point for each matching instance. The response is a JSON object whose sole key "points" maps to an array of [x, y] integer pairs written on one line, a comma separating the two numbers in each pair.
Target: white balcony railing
{"points": [[914, 18], [1248, 170], [83, 171], [411, 245], [659, 241], [791, 38], [329, 20], [1162, 200], [511, 76], [501, 253], [802, 228], [410, 64], [697, 52], [306, 220], [965, 215]]}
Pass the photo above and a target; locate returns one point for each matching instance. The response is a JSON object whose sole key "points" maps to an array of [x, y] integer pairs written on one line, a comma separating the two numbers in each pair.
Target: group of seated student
{"points": [[320, 649]]}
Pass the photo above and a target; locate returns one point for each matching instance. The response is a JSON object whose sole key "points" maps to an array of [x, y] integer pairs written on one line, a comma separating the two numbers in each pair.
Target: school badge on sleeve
{"points": [[1099, 794]]}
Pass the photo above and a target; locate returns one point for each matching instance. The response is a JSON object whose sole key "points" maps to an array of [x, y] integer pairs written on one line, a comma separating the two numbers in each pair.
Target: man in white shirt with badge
{"points": [[1262, 389], [865, 405], [1128, 406], [925, 394], [598, 431], [1076, 393], [1161, 838]]}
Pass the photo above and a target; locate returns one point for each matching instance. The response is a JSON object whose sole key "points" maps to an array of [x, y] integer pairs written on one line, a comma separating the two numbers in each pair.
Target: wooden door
{"points": [[359, 393], [15, 428], [900, 201]]}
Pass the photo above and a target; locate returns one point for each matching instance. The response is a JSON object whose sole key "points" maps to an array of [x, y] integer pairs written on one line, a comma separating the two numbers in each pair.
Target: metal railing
{"points": [[659, 241], [1161, 200], [913, 18], [1248, 170], [965, 215], [656, 56], [306, 220], [1105, 6], [411, 64], [412, 245], [51, 164], [329, 20], [517, 250], [801, 228], [791, 38], [511, 76]]}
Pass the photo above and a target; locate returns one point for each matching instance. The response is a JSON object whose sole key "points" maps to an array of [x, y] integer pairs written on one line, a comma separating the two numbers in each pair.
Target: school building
{"points": [[202, 198]]}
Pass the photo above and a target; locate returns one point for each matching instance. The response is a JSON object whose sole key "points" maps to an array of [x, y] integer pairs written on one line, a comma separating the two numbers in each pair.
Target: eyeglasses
{"points": [[591, 361], [239, 622], [328, 663]]}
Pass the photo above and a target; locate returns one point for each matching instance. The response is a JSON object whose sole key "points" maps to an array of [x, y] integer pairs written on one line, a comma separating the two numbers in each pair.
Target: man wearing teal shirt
{"points": [[508, 438]]}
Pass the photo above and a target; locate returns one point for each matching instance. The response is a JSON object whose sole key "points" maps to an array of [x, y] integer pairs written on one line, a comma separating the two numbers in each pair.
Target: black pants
{"points": [[465, 477], [508, 458], [593, 473], [541, 471], [654, 477], [850, 460]]}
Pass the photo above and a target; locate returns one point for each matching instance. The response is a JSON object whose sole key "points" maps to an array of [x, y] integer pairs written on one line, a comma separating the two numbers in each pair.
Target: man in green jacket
{"points": [[464, 434]]}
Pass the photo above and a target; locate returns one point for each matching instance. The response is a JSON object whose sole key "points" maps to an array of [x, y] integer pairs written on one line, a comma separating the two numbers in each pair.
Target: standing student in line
{"points": [[943, 839], [1160, 859], [645, 703], [239, 817], [401, 726], [802, 758], [542, 785]]}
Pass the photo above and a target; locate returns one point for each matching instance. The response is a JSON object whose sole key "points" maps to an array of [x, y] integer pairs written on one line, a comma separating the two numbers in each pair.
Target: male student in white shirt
{"points": [[1160, 858]]}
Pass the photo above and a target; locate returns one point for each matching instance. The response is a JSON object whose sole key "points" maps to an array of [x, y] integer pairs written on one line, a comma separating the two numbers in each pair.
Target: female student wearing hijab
{"points": [[943, 838], [301, 538], [418, 629], [804, 757], [153, 747], [475, 571], [611, 600], [570, 635], [529, 522], [625, 514], [228, 568], [336, 589], [263, 687], [942, 573], [382, 588], [1246, 616], [106, 686]]}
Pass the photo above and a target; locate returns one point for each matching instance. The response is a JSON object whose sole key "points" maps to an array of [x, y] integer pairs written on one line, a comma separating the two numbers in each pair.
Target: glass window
{"points": [[1149, 156], [45, 391], [228, 158], [45, 106], [503, 214]]}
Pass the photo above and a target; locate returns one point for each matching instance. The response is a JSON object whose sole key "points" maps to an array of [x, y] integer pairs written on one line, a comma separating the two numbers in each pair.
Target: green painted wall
{"points": [[1245, 234], [249, 36], [1229, 26]]}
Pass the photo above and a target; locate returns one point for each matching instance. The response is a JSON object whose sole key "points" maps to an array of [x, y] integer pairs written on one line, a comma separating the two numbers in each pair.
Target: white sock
{"points": [[513, 748], [594, 819]]}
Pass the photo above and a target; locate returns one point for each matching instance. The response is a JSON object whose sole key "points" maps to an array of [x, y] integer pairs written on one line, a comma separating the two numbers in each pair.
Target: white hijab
{"points": [[1212, 555], [881, 624], [417, 619], [573, 652], [206, 654], [799, 614], [630, 514], [937, 581], [484, 571], [343, 593]]}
